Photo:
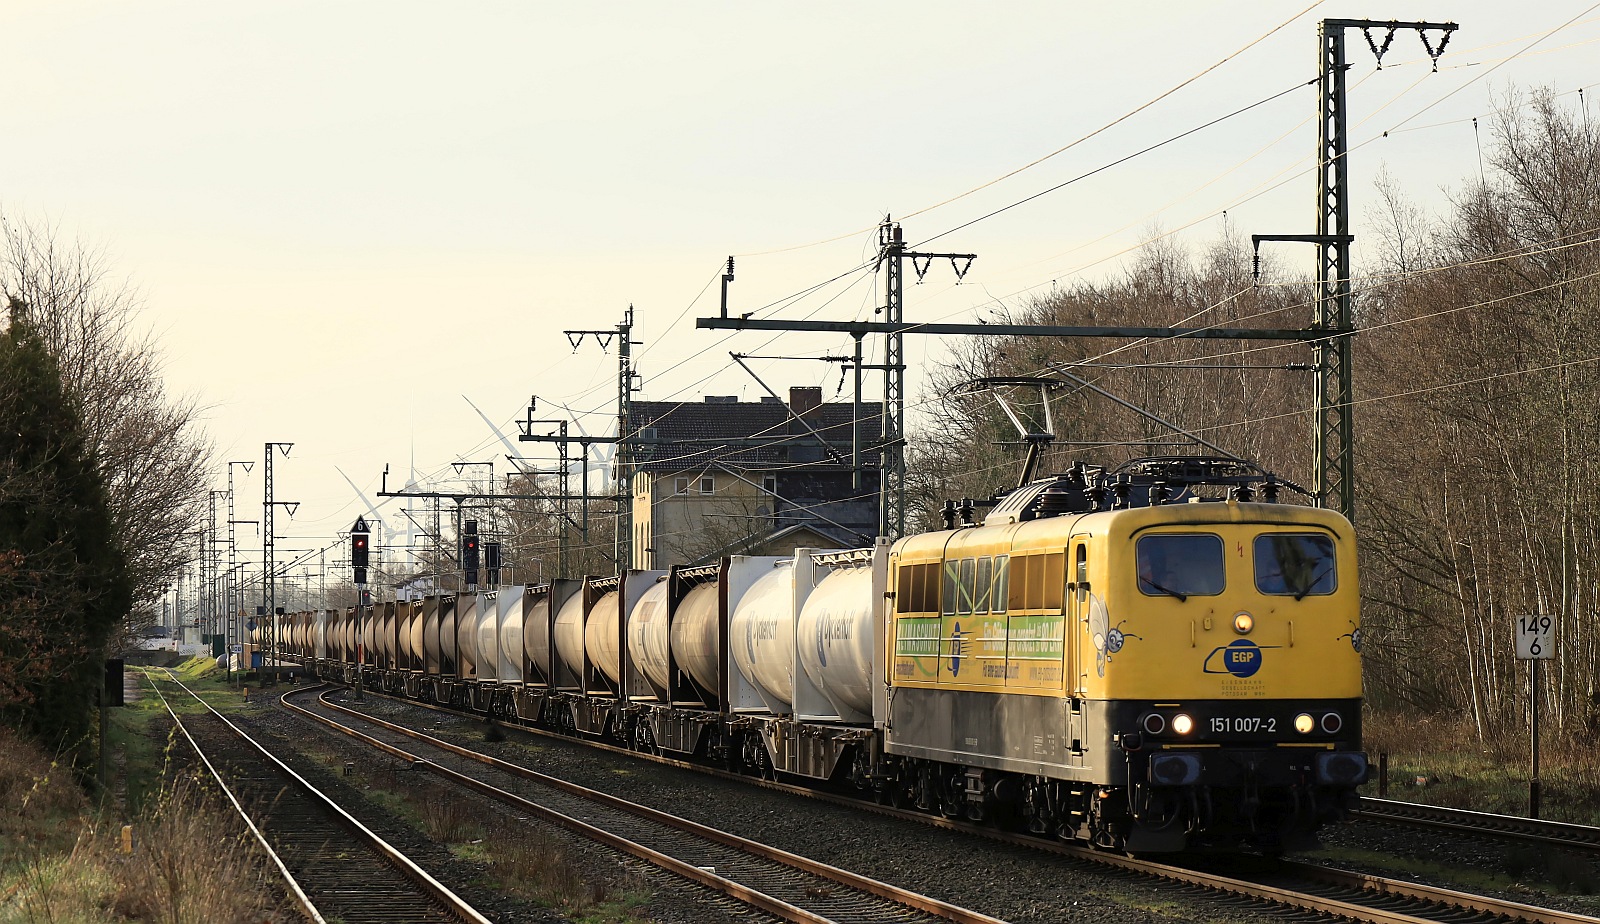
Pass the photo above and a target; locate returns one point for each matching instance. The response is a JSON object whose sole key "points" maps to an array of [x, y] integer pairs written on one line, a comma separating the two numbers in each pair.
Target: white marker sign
{"points": [[1535, 638]]}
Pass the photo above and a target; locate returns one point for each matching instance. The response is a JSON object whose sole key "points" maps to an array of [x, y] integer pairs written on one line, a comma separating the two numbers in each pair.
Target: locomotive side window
{"points": [[1021, 568], [1295, 564], [1080, 573], [1180, 565], [917, 591], [1002, 577], [927, 584], [968, 585], [1054, 581], [980, 601]]}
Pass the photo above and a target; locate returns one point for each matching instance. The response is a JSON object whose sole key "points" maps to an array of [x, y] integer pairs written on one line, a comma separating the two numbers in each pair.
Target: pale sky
{"points": [[345, 216]]}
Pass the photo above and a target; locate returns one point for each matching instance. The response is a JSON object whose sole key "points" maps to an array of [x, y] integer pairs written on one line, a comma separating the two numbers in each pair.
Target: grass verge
{"points": [[1441, 761], [64, 860]]}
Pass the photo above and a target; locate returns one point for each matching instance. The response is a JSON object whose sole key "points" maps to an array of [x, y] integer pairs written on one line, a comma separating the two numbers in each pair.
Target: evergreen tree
{"points": [[63, 579]]}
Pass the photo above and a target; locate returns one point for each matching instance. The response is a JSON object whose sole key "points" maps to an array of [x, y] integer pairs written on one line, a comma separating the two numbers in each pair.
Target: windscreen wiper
{"points": [[1166, 590]]}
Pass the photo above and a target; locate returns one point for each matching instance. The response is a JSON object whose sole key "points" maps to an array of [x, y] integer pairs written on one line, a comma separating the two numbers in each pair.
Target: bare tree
{"points": [[1481, 370], [1244, 399], [147, 445]]}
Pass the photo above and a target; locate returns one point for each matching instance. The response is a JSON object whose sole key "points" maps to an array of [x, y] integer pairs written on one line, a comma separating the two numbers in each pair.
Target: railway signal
{"points": [[360, 536], [469, 553], [491, 562]]}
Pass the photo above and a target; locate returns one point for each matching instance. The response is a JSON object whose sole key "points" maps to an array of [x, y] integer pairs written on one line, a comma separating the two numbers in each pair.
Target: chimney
{"points": [[804, 399]]}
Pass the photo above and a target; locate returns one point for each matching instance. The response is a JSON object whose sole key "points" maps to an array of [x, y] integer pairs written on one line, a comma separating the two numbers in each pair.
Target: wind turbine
{"points": [[603, 451]]}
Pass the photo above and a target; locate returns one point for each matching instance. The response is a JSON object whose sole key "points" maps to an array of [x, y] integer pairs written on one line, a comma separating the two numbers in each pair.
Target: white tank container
{"points": [[509, 606], [488, 629], [536, 632], [761, 634], [447, 633], [320, 634], [467, 658], [600, 636], [430, 635], [647, 634], [386, 636], [834, 637], [694, 635], [569, 633], [412, 640]]}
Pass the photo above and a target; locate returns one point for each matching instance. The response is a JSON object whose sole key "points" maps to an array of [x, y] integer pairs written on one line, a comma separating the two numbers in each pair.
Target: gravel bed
{"points": [[1007, 882], [1011, 883]]}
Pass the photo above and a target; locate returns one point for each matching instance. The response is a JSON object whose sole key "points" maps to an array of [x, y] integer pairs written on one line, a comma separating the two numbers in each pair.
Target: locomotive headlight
{"points": [[1243, 623], [1331, 723], [1154, 724], [1304, 723], [1182, 724]]}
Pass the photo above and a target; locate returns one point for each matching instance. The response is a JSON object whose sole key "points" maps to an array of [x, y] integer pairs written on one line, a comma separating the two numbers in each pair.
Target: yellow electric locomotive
{"points": [[1113, 658]]}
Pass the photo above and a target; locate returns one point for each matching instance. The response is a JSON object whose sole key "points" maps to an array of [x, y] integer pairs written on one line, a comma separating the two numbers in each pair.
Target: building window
{"points": [[708, 484], [769, 484], [680, 486]]}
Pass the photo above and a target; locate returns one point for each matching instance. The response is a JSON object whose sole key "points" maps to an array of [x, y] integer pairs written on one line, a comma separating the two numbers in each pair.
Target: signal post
{"points": [[360, 535]]}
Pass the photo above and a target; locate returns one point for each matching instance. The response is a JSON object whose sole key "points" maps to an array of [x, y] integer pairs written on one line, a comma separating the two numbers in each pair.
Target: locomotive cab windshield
{"points": [[1295, 564], [1180, 565]]}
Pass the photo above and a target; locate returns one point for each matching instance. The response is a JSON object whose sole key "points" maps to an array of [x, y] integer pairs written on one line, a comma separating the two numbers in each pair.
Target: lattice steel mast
{"points": [[1333, 428]]}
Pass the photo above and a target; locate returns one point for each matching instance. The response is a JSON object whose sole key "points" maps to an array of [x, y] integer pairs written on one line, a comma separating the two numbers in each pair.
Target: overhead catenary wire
{"points": [[860, 267], [836, 296], [1064, 148]]}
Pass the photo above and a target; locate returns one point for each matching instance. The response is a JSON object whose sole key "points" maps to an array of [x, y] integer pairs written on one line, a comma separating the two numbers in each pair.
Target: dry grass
{"points": [[445, 817], [1487, 776], [536, 867], [61, 860], [183, 869]]}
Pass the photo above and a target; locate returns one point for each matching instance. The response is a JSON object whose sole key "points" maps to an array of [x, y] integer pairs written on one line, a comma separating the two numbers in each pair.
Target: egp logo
{"points": [[957, 649], [1241, 658]]}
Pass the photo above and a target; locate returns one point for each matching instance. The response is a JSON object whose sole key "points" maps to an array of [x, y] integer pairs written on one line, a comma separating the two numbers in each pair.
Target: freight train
{"points": [[1155, 658]]}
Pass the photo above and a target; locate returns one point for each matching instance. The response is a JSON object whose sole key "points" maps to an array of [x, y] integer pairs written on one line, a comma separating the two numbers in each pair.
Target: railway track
{"points": [[783, 885], [1280, 884], [1478, 824], [334, 867]]}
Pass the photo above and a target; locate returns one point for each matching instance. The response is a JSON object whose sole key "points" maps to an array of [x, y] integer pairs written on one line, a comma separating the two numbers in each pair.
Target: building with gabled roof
{"points": [[727, 477]]}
